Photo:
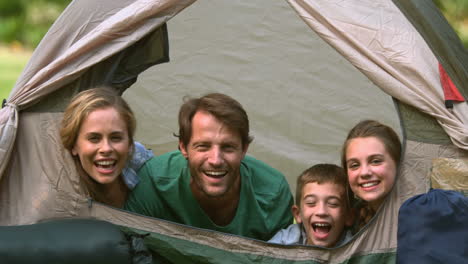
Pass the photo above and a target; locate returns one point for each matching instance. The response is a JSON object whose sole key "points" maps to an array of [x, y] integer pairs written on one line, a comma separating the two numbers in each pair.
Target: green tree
{"points": [[26, 21], [456, 13]]}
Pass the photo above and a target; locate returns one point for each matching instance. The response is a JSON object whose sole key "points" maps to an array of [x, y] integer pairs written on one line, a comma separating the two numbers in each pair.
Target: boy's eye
{"points": [[310, 202], [334, 203]]}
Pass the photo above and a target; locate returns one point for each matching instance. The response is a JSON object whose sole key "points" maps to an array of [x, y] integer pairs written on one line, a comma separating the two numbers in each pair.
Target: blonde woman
{"points": [[98, 128]]}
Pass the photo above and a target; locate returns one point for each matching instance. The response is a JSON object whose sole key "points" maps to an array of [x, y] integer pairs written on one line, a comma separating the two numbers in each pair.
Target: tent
{"points": [[304, 85]]}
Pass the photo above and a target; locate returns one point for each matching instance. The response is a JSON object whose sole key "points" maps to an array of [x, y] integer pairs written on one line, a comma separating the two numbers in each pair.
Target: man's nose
{"points": [[215, 157]]}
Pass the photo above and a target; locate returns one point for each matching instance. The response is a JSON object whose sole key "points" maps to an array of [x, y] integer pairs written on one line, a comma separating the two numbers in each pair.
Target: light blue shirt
{"points": [[295, 235], [140, 156]]}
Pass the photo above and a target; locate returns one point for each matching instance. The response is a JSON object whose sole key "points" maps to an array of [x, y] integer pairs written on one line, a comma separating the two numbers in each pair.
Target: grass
{"points": [[12, 62]]}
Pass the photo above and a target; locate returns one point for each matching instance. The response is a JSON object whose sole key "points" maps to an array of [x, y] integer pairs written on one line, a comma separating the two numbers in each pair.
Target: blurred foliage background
{"points": [[456, 12], [23, 23], [26, 21]]}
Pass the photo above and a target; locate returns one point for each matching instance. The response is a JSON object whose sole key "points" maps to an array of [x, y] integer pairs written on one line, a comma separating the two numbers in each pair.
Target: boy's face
{"points": [[323, 213]]}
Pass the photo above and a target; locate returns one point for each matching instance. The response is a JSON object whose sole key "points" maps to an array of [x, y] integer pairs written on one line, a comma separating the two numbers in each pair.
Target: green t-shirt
{"points": [[164, 192]]}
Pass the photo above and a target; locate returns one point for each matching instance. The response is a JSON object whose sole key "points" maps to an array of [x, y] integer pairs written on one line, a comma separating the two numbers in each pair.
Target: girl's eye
{"points": [[376, 161], [116, 138], [353, 165]]}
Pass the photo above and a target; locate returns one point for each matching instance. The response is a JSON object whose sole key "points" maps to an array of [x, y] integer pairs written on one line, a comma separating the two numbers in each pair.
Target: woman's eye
{"points": [[94, 139], [376, 161], [353, 165]]}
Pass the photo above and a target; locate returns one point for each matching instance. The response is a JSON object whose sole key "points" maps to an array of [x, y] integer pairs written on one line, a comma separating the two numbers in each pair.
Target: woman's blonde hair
{"points": [[88, 101]]}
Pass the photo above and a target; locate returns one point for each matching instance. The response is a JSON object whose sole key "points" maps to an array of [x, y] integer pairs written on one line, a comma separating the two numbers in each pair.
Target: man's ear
{"points": [[296, 213], [244, 149], [183, 149]]}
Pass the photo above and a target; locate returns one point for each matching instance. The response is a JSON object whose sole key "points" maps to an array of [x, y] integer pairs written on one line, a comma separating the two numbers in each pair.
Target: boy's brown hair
{"points": [[322, 173]]}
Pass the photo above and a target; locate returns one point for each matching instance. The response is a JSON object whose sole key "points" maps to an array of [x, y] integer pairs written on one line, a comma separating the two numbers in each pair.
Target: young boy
{"points": [[322, 209]]}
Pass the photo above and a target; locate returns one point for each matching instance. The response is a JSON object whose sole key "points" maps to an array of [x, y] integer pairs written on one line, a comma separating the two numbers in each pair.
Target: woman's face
{"points": [[103, 145], [371, 170]]}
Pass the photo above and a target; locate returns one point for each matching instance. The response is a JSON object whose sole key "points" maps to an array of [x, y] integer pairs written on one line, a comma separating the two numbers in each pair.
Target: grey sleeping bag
{"points": [[64, 241]]}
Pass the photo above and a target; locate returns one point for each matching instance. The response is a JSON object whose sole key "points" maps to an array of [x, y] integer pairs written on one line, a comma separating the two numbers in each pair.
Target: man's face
{"points": [[214, 153], [322, 213]]}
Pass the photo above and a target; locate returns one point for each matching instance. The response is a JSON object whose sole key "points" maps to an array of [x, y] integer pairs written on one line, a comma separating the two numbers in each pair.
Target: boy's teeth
{"points": [[369, 184], [321, 225]]}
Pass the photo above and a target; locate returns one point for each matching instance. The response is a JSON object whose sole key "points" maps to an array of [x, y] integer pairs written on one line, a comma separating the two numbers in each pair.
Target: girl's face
{"points": [[103, 145], [371, 170]]}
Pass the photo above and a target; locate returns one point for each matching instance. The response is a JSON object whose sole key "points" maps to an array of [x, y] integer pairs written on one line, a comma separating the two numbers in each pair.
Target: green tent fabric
{"points": [[304, 85], [64, 241]]}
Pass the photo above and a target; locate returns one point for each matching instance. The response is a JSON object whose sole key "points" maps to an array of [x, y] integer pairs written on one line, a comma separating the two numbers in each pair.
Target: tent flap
{"points": [[119, 71], [378, 40], [441, 38], [75, 43]]}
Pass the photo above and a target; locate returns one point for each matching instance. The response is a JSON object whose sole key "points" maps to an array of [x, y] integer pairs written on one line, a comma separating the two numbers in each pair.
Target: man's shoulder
{"points": [[262, 174], [167, 165]]}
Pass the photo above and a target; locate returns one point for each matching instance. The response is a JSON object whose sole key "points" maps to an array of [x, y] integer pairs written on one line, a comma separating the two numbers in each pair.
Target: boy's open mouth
{"points": [[321, 228]]}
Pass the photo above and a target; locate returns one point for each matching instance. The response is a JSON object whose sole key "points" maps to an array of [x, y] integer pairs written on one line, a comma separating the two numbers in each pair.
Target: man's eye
{"points": [[202, 147], [229, 148]]}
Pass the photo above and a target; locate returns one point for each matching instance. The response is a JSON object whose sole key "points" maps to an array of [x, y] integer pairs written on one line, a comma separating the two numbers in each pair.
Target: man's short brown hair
{"points": [[224, 108]]}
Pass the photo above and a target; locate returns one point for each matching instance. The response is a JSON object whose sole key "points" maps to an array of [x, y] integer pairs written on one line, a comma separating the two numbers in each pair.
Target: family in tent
{"points": [[211, 182]]}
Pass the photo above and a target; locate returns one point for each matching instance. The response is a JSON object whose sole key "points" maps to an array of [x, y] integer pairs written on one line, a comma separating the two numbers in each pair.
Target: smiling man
{"points": [[210, 182]]}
